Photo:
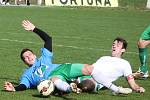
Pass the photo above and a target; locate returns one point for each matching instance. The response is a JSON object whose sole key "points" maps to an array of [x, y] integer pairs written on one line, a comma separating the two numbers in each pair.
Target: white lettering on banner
{"points": [[99, 3]]}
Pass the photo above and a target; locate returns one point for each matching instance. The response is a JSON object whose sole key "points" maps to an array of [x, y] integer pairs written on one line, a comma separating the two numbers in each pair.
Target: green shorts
{"points": [[146, 34], [67, 72], [84, 77]]}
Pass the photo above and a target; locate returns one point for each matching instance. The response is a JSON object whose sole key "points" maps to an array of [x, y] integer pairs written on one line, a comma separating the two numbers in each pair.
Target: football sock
{"points": [[114, 88], [143, 60], [62, 85]]}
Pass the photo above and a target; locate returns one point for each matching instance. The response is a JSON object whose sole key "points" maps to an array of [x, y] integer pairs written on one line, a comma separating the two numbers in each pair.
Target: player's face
{"points": [[117, 49], [29, 58]]}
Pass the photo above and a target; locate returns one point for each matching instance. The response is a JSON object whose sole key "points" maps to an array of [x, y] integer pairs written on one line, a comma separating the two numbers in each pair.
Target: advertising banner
{"points": [[97, 3]]}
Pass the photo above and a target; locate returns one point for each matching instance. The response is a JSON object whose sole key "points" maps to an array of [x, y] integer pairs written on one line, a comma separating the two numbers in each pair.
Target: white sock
{"points": [[62, 85], [114, 88]]}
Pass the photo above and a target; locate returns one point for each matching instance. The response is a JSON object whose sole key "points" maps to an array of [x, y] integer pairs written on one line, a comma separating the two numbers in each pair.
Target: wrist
{"points": [[13, 89], [33, 28]]}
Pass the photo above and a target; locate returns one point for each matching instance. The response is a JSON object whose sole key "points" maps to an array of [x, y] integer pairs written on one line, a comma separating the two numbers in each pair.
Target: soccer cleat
{"points": [[74, 88], [139, 74], [145, 75], [78, 90]]}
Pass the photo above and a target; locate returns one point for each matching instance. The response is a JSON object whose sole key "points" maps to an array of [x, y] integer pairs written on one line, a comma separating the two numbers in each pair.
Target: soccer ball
{"points": [[45, 87]]}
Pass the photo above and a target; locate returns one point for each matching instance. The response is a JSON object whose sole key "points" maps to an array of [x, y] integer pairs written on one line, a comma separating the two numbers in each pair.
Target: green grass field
{"points": [[79, 34]]}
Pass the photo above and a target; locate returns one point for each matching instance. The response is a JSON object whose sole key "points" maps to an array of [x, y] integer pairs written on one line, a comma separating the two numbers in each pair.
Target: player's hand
{"points": [[28, 25], [8, 86], [122, 90], [140, 90], [125, 90]]}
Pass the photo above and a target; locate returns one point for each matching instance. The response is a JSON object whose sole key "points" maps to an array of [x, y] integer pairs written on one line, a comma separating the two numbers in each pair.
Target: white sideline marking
{"points": [[18, 41], [75, 47]]}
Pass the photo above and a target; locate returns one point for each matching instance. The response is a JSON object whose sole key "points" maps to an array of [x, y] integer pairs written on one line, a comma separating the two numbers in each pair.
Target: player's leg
{"points": [[62, 74], [77, 70], [143, 42], [61, 84], [68, 72], [142, 45], [59, 77]]}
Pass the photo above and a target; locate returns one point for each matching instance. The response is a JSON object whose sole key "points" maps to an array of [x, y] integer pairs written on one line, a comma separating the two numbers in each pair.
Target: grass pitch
{"points": [[79, 35]]}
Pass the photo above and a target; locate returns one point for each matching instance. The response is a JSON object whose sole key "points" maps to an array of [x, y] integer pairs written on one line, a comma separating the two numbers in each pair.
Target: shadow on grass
{"points": [[120, 95], [60, 96]]}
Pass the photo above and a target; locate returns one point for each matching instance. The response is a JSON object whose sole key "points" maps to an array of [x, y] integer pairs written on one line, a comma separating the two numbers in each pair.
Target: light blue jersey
{"points": [[39, 70]]}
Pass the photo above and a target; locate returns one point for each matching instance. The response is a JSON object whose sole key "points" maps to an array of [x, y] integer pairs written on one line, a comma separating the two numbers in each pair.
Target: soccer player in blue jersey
{"points": [[38, 68]]}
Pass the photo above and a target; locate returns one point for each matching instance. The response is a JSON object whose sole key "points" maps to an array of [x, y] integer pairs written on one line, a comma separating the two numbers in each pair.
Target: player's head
{"points": [[87, 85], [27, 56], [119, 46]]}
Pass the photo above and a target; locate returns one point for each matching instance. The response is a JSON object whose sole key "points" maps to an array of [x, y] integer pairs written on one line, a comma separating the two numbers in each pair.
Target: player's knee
{"points": [[54, 79], [87, 69]]}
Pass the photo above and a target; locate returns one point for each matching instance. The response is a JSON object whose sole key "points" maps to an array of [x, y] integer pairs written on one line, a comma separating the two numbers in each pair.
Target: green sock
{"points": [[143, 59]]}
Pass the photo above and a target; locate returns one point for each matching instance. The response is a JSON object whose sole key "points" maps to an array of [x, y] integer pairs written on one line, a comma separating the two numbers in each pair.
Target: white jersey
{"points": [[108, 69]]}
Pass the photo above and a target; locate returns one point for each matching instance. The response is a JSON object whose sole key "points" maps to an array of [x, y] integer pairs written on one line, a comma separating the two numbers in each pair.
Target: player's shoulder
{"points": [[125, 60], [45, 51], [105, 57]]}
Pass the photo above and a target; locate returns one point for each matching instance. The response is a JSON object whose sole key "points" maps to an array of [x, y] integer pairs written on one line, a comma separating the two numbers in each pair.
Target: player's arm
{"points": [[9, 87], [45, 37], [134, 85]]}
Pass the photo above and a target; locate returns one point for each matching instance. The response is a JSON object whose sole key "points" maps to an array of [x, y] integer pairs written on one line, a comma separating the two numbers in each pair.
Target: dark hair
{"points": [[119, 39], [23, 51], [87, 85]]}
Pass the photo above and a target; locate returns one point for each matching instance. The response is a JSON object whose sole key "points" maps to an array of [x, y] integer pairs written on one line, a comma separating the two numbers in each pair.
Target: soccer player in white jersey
{"points": [[105, 70], [109, 68]]}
